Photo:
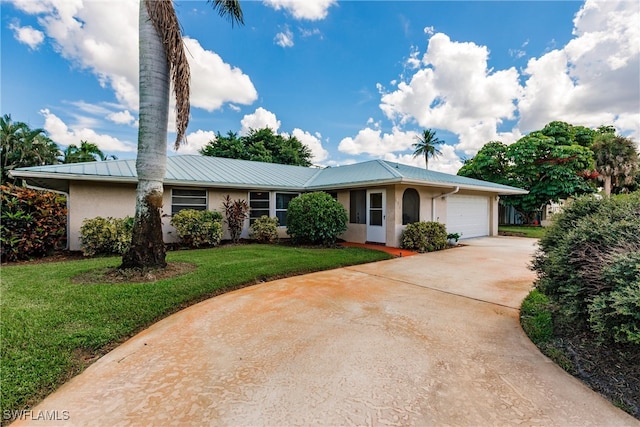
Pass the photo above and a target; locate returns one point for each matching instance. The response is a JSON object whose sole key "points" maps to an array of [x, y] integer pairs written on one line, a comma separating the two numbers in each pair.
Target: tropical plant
{"points": [[32, 224], [616, 161], [21, 146], [162, 55], [86, 152], [427, 146], [235, 212], [316, 218]]}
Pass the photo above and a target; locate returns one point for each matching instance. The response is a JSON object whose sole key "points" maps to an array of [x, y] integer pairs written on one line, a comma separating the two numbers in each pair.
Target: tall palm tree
{"points": [[426, 146], [162, 59], [616, 160]]}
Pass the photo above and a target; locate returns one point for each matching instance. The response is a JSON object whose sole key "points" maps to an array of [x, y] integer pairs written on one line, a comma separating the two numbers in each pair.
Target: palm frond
{"points": [[164, 19], [229, 9]]}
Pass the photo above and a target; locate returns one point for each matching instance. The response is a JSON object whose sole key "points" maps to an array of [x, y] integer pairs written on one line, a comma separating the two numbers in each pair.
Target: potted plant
{"points": [[453, 238]]}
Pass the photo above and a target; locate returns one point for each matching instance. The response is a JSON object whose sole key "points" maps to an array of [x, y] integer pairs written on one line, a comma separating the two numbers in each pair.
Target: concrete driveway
{"points": [[432, 339]]}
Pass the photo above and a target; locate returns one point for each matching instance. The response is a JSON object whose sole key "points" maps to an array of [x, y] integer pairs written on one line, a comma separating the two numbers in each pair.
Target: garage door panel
{"points": [[468, 215]]}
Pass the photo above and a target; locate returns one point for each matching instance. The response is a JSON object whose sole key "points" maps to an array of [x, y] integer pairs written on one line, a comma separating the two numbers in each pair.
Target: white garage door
{"points": [[468, 215]]}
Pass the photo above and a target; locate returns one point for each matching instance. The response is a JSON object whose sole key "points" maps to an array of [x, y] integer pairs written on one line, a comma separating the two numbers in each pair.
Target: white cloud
{"points": [[593, 80], [27, 35], [429, 30], [374, 142], [214, 82], [121, 117], [284, 38], [455, 90], [195, 141], [312, 10], [314, 142], [260, 119], [103, 38], [62, 134]]}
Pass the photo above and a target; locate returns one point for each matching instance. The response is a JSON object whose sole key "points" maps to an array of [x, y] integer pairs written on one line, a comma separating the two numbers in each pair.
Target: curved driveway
{"points": [[432, 339]]}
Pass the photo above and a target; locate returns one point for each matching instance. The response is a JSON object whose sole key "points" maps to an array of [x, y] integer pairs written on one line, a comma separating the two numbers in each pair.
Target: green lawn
{"points": [[522, 231], [52, 328]]}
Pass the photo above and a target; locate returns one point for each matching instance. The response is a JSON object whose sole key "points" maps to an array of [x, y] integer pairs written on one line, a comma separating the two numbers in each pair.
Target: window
{"points": [[188, 199], [410, 206], [358, 206], [258, 205], [282, 203]]}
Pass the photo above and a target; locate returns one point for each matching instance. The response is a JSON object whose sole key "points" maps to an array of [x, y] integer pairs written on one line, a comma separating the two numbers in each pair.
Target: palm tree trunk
{"points": [[607, 185], [147, 246]]}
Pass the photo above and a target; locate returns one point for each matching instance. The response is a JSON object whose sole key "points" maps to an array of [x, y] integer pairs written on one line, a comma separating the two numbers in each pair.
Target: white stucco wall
{"points": [[91, 199]]}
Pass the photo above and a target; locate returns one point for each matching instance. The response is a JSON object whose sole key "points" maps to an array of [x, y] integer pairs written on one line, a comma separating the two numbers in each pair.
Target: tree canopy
{"points": [[22, 146], [261, 145], [86, 152], [552, 164]]}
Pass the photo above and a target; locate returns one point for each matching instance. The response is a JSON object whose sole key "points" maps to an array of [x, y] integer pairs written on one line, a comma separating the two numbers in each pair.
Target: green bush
{"points": [[424, 236], [586, 264], [264, 229], [316, 218], [32, 224], [615, 315], [536, 317], [106, 236], [197, 229]]}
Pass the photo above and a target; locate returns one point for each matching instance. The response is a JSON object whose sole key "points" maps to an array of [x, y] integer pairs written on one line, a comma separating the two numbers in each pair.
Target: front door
{"points": [[376, 216]]}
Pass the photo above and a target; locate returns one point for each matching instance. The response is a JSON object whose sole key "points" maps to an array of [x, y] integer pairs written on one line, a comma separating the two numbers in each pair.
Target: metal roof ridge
{"points": [[391, 169], [308, 183]]}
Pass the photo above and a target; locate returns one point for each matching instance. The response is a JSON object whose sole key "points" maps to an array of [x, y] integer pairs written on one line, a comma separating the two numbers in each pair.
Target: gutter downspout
{"points": [[443, 195], [66, 195]]}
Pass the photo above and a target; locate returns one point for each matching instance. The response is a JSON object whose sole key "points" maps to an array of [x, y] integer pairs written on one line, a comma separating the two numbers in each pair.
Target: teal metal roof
{"points": [[195, 170]]}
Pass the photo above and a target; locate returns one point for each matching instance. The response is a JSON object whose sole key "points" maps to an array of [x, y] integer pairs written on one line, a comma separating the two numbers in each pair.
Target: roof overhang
{"points": [[60, 182]]}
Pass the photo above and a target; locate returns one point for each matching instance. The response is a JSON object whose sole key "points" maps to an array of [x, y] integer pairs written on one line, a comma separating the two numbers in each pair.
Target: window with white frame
{"points": [[282, 204], [258, 205], [188, 198]]}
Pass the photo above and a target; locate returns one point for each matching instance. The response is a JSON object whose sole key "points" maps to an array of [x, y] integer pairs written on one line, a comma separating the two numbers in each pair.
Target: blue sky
{"points": [[354, 80]]}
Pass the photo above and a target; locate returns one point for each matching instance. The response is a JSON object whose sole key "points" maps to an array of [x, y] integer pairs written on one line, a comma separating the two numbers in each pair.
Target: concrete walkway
{"points": [[428, 340]]}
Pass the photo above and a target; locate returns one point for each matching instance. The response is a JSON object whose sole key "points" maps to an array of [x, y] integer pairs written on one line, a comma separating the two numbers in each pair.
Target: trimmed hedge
{"points": [[32, 224], [424, 236]]}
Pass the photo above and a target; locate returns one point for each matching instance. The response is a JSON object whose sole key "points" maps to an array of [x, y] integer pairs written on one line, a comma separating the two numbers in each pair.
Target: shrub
{"points": [[586, 264], [316, 218], [536, 317], [33, 223], [615, 315], [235, 212], [424, 236], [264, 229], [106, 236], [198, 229]]}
